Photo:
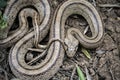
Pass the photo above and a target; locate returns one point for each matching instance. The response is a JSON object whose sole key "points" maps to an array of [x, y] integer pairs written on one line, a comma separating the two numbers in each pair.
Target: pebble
{"points": [[100, 51]]}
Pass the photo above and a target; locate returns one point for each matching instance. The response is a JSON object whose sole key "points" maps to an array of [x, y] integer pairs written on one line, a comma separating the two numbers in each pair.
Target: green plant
{"points": [[80, 73], [87, 54], [3, 21]]}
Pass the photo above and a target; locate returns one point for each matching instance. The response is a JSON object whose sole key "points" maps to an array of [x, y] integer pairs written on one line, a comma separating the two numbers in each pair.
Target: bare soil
{"points": [[105, 62]]}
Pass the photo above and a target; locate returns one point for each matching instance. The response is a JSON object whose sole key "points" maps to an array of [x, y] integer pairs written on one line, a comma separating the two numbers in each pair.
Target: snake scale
{"points": [[49, 63], [16, 6]]}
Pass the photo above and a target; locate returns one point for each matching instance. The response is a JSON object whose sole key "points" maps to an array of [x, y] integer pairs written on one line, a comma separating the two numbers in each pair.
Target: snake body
{"points": [[75, 36], [53, 58], [88, 11], [17, 64], [13, 8]]}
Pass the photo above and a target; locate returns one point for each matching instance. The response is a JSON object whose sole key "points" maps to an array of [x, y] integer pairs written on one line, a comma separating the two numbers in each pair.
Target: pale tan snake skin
{"points": [[53, 58]]}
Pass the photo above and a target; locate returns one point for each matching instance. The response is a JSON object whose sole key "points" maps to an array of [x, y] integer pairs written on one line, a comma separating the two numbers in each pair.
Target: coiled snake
{"points": [[47, 63], [15, 6]]}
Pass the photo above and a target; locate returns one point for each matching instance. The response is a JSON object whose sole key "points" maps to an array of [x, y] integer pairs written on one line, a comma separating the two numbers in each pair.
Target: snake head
{"points": [[72, 46]]}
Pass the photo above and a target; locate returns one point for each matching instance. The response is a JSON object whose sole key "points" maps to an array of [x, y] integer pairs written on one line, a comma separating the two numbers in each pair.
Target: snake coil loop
{"points": [[48, 62]]}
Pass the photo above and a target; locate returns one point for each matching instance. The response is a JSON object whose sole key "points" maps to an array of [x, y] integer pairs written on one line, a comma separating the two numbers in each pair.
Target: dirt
{"points": [[105, 62]]}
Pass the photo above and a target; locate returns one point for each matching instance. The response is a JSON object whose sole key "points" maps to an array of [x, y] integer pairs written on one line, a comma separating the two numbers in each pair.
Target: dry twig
{"points": [[110, 5]]}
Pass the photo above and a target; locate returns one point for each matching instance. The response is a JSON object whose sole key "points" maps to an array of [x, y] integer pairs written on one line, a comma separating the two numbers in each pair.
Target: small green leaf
{"points": [[86, 53], [80, 73], [3, 22], [3, 25]]}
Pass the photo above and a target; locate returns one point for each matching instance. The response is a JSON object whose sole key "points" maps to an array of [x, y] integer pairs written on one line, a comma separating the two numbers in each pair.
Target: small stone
{"points": [[100, 51], [29, 56]]}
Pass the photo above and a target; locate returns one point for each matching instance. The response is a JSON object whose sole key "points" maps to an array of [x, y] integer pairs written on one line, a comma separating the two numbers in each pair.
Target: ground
{"points": [[105, 62]]}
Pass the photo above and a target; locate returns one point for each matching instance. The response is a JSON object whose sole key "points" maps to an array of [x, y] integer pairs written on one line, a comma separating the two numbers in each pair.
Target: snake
{"points": [[48, 62], [15, 8], [73, 35]]}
